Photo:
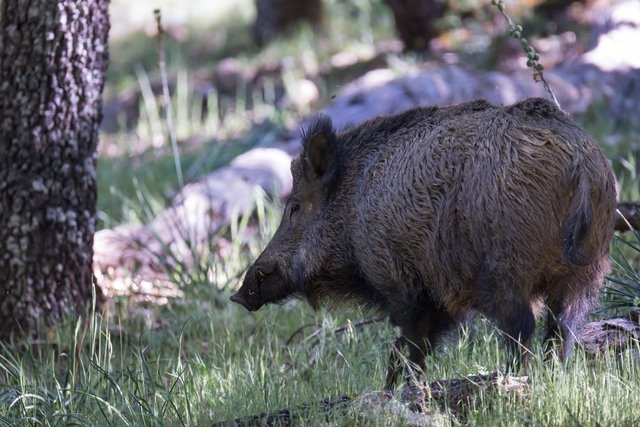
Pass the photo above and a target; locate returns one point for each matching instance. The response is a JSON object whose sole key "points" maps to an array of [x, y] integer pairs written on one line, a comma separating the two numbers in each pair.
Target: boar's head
{"points": [[306, 232]]}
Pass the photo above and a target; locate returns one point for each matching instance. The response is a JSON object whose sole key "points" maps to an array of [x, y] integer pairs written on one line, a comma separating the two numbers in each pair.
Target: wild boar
{"points": [[438, 212]]}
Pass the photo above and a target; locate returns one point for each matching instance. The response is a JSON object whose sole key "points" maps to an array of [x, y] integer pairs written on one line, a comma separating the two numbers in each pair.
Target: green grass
{"points": [[193, 363], [127, 184], [200, 359]]}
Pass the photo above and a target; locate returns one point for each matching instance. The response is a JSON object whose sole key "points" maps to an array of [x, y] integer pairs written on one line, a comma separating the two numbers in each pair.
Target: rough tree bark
{"points": [[53, 55]]}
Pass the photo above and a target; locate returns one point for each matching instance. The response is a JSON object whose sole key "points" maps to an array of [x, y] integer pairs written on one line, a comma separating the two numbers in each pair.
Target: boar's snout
{"points": [[251, 294], [238, 298]]}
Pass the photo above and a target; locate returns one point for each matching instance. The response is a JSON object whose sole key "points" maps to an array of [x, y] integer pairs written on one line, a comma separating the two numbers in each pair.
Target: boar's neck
{"points": [[340, 285]]}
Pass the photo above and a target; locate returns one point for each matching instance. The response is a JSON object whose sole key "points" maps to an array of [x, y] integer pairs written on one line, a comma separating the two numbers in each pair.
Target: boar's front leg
{"points": [[396, 365], [421, 329]]}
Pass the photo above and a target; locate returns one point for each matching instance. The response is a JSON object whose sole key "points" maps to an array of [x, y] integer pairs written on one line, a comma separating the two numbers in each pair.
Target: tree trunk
{"points": [[415, 21], [275, 16], [53, 55]]}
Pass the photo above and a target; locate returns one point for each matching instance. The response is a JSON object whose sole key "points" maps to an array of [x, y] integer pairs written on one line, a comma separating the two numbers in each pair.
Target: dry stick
{"points": [[317, 339], [533, 57], [285, 417], [171, 129], [341, 329], [315, 334], [299, 331], [453, 394]]}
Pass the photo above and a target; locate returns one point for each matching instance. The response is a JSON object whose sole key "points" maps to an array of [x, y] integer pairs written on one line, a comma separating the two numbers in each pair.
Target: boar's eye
{"points": [[295, 207]]}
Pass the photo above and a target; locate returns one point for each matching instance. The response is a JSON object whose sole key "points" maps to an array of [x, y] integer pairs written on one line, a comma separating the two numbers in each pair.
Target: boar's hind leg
{"points": [[517, 323], [562, 321], [420, 334], [504, 303], [569, 302], [561, 324]]}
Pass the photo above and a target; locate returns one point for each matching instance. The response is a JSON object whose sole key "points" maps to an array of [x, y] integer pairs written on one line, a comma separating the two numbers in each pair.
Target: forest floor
{"points": [[178, 353]]}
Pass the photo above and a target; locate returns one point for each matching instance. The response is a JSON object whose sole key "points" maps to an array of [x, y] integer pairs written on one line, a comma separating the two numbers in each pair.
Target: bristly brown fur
{"points": [[436, 212]]}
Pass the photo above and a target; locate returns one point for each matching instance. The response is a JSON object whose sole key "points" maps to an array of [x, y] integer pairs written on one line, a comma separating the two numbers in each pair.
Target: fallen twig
{"points": [[316, 337], [339, 330], [283, 417], [452, 393], [617, 333]]}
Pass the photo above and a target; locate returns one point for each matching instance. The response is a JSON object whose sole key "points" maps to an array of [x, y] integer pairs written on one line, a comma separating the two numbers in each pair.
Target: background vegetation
{"points": [[198, 359]]}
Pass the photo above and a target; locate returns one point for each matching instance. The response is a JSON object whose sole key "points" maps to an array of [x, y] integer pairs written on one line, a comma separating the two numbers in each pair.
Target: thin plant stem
{"points": [[533, 57], [166, 98]]}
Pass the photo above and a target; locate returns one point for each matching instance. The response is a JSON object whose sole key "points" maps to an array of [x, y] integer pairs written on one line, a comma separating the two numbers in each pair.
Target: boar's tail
{"points": [[580, 221]]}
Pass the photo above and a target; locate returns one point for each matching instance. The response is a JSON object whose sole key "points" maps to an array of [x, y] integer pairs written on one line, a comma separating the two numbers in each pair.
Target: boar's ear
{"points": [[320, 150]]}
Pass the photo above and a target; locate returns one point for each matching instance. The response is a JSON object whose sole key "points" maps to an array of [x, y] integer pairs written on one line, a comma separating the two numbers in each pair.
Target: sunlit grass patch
{"points": [[186, 367], [199, 359]]}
